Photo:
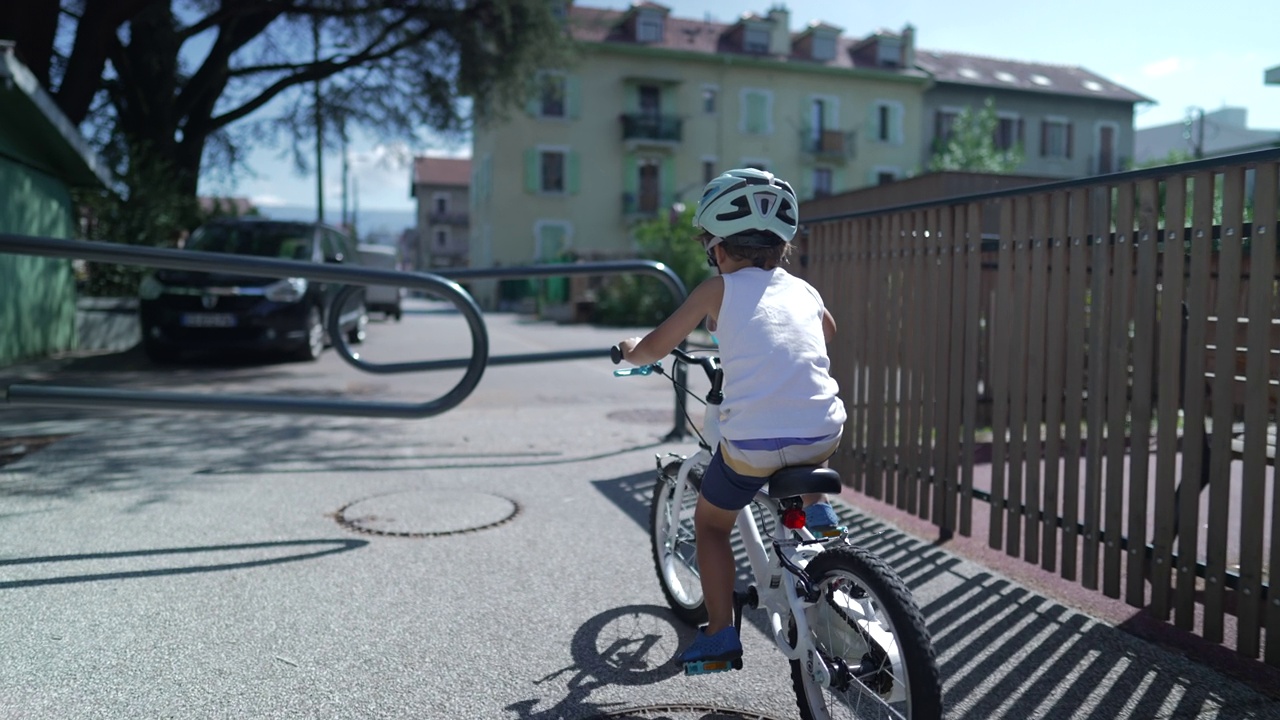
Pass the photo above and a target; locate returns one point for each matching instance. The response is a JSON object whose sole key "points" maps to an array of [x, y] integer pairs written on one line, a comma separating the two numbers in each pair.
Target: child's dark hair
{"points": [[763, 250]]}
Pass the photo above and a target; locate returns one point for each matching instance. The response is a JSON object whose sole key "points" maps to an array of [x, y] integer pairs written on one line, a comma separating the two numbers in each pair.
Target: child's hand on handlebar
{"points": [[626, 346]]}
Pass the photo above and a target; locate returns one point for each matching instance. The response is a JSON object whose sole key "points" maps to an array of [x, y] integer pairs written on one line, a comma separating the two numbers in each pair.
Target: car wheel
{"points": [[357, 334], [314, 345], [159, 354]]}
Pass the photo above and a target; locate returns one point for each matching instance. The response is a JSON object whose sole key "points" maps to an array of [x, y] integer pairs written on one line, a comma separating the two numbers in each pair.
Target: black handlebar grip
{"points": [[615, 353]]}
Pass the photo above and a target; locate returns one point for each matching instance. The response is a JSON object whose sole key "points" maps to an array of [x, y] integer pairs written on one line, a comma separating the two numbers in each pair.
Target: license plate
{"points": [[213, 320]]}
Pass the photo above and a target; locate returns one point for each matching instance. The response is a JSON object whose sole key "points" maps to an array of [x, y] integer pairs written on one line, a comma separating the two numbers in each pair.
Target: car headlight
{"points": [[286, 290], [150, 288]]}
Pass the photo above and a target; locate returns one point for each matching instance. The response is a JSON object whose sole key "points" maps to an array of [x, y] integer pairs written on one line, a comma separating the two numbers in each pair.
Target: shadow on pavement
{"points": [[1005, 651], [633, 645], [313, 549]]}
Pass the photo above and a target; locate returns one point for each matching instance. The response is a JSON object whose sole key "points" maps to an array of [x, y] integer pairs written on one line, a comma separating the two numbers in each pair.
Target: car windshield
{"points": [[291, 242]]}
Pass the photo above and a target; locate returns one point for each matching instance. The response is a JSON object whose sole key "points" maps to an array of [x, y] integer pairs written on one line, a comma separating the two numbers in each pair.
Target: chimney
{"points": [[780, 35], [909, 47]]}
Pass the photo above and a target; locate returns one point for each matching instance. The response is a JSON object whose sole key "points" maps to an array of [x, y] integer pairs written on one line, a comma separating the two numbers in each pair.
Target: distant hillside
{"points": [[371, 221]]}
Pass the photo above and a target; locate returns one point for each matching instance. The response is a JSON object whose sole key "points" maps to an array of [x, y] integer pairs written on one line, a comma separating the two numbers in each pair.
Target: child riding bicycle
{"points": [[781, 405]]}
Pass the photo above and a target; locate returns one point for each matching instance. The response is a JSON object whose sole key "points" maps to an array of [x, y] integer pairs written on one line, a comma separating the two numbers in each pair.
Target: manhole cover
{"points": [[13, 449], [427, 513], [683, 712]]}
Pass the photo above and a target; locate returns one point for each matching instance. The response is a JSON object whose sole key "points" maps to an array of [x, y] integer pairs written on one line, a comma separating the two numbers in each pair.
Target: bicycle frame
{"points": [[781, 599]]}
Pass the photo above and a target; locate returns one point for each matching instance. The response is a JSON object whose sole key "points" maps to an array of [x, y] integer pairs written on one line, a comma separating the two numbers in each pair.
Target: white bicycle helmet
{"points": [[746, 200]]}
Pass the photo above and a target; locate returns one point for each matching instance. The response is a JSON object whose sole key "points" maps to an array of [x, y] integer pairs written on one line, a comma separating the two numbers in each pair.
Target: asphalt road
{"points": [[491, 562]]}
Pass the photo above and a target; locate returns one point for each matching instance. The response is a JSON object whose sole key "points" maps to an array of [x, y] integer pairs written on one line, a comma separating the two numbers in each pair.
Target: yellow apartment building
{"points": [[654, 106]]}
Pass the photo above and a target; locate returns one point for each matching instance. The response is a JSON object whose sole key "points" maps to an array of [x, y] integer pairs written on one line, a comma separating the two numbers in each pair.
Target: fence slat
{"points": [[951, 367], [971, 218], [1266, 198], [1018, 370], [1099, 305], [1073, 406], [858, 247], [1168, 391], [1118, 360], [1054, 353], [1000, 325], [1194, 467], [879, 378], [1144, 324], [1036, 317], [1228, 312], [934, 396], [898, 268], [914, 310], [1253, 495]]}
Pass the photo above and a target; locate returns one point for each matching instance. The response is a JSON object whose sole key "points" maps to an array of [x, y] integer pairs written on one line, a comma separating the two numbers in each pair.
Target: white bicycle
{"points": [[856, 640]]}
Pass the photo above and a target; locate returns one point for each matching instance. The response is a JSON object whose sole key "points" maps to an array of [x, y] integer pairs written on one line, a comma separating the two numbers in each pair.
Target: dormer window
{"points": [[649, 27], [889, 52], [755, 40], [824, 47]]}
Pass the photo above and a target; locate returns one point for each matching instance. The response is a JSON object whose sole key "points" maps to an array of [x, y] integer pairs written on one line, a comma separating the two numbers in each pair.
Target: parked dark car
{"points": [[184, 311]]}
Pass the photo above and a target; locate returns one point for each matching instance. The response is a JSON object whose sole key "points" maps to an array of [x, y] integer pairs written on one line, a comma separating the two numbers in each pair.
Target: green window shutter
{"points": [[573, 99], [630, 175], [755, 113], [668, 180], [837, 181], [896, 117], [804, 184], [571, 173], [532, 171]]}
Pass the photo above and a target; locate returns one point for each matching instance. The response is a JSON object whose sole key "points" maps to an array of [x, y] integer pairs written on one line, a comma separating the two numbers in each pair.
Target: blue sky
{"points": [[1180, 53]]}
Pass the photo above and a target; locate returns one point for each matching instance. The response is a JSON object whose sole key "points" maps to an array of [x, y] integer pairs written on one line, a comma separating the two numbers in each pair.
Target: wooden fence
{"points": [[1083, 373]]}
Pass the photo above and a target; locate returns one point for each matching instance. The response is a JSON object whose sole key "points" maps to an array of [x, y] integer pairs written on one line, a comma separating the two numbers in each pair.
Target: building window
{"points": [[887, 122], [552, 171], [1055, 138], [442, 238], [824, 47], [441, 204], [648, 27], [1008, 133], [552, 97], [757, 112], [821, 182], [944, 121], [709, 95], [1107, 159], [755, 40], [708, 171], [884, 177], [888, 52]]}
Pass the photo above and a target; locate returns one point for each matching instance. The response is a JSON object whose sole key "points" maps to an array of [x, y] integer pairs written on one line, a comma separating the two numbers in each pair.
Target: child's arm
{"points": [[828, 326], [703, 302]]}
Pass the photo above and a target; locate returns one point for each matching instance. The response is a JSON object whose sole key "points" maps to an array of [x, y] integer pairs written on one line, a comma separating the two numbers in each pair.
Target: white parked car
{"points": [[382, 298]]}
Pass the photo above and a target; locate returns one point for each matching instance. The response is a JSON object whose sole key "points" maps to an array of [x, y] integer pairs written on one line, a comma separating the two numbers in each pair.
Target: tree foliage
{"points": [[169, 89], [645, 300], [971, 145]]}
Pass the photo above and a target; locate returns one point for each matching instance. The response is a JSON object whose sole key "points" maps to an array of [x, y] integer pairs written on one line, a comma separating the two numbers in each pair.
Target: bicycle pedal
{"points": [[706, 667]]}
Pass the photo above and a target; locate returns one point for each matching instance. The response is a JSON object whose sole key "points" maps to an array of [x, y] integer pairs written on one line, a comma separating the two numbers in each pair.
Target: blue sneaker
{"points": [[822, 521], [712, 653]]}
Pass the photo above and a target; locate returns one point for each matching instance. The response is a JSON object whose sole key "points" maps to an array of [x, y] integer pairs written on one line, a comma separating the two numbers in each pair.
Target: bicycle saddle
{"points": [[801, 479]]}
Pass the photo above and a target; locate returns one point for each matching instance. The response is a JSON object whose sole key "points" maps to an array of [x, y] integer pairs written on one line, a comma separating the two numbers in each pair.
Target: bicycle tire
{"points": [[674, 546], [863, 607]]}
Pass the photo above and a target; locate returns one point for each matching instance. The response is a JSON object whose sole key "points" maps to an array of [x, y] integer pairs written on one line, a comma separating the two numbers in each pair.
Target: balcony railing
{"points": [[456, 219], [828, 144], [646, 126]]}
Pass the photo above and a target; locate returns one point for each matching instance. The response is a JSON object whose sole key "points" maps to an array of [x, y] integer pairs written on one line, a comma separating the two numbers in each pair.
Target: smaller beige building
{"points": [[441, 187]]}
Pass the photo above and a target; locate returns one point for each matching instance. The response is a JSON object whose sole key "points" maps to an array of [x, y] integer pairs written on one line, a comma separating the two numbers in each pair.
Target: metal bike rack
{"points": [[438, 285]]}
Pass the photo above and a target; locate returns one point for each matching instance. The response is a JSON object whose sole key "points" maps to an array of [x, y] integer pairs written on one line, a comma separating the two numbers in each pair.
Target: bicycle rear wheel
{"points": [[674, 550], [873, 639]]}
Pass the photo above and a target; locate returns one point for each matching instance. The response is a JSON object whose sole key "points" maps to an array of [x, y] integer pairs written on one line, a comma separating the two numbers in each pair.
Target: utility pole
{"points": [[1196, 128], [319, 119]]}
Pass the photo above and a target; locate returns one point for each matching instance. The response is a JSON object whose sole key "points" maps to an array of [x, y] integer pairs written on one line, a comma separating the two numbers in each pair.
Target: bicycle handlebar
{"points": [[710, 364]]}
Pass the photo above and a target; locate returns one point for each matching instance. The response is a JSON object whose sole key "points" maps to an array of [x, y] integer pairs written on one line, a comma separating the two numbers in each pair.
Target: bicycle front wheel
{"points": [[872, 637], [674, 545]]}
